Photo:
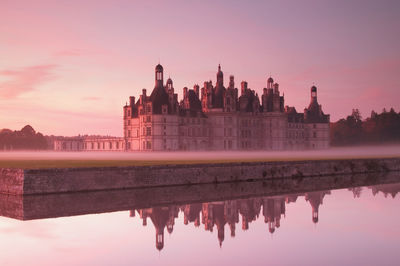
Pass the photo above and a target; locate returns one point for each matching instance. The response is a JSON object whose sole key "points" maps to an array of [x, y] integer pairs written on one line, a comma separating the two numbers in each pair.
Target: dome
{"points": [[169, 81], [159, 67], [270, 80], [313, 88]]}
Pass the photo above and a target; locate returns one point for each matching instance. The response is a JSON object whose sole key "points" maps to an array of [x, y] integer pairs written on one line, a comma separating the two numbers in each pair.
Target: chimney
{"points": [[185, 90], [132, 101], [244, 87], [196, 90]]}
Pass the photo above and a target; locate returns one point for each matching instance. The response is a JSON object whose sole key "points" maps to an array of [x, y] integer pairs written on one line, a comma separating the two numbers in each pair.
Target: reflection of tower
{"points": [[161, 217], [386, 189], [249, 209], [231, 215], [273, 209], [356, 191], [192, 214], [213, 213], [316, 199], [220, 221]]}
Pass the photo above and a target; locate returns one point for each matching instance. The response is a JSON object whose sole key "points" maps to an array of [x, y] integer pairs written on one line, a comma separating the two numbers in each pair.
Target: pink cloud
{"points": [[70, 52], [91, 98], [24, 80], [80, 52]]}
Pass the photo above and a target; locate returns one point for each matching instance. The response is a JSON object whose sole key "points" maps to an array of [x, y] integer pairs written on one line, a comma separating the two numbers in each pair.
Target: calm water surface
{"points": [[352, 226]]}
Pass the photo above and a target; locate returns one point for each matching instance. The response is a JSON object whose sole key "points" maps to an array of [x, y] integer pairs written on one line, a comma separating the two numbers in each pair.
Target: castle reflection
{"points": [[219, 215]]}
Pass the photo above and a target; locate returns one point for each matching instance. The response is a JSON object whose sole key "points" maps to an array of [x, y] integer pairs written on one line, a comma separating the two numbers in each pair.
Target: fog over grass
{"points": [[332, 153]]}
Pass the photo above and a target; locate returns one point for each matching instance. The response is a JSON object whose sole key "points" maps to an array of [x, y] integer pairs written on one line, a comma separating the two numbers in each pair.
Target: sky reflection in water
{"points": [[354, 226]]}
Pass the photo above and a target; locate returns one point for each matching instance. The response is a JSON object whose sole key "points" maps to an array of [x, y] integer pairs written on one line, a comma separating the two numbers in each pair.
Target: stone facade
{"points": [[89, 143], [60, 180], [218, 118]]}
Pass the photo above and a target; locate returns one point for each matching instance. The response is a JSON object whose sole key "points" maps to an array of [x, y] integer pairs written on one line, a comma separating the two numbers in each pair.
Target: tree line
{"points": [[24, 139], [376, 129]]}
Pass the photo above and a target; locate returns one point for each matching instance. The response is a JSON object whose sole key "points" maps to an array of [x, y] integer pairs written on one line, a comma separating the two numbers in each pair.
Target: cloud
{"points": [[70, 52], [91, 98], [24, 80], [79, 52]]}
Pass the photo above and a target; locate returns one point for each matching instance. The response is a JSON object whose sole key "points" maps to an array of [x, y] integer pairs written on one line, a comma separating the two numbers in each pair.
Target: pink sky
{"points": [[68, 67]]}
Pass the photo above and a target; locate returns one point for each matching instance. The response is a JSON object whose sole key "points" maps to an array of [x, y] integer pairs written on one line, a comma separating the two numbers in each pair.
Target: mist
{"points": [[331, 153]]}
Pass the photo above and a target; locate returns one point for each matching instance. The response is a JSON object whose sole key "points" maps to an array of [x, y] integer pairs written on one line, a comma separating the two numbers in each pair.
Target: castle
{"points": [[212, 118]]}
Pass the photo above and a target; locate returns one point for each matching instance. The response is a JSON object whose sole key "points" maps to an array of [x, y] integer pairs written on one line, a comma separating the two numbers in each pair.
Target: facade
{"points": [[221, 118], [89, 143], [214, 117]]}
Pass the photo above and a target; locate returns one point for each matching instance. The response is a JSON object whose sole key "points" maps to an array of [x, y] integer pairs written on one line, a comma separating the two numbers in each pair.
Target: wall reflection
{"points": [[219, 215]]}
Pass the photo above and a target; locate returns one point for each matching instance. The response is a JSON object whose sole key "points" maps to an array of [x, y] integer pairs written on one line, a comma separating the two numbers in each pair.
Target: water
{"points": [[348, 226]]}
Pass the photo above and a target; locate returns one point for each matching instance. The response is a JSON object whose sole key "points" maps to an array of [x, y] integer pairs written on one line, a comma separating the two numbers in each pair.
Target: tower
{"points": [[270, 83], [220, 77], [159, 76], [313, 93]]}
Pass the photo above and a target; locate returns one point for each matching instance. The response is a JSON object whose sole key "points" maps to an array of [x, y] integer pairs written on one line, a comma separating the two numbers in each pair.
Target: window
{"points": [[148, 145], [314, 126], [228, 101], [129, 133], [148, 118], [148, 131], [314, 134], [148, 108], [165, 120], [117, 145], [129, 122]]}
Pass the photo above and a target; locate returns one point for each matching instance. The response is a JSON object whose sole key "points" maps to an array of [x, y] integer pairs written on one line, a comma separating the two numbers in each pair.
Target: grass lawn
{"points": [[67, 163]]}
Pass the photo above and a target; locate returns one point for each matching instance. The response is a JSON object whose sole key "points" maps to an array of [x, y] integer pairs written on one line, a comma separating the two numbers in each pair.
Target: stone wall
{"points": [[30, 207], [43, 181]]}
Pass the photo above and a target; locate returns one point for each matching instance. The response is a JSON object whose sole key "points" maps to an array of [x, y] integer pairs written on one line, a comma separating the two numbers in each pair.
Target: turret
{"points": [[231, 82], [159, 79], [270, 83], [169, 86], [220, 77], [313, 94]]}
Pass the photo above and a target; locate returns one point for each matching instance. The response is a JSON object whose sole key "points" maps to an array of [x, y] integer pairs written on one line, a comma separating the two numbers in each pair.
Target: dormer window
{"points": [[164, 109]]}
